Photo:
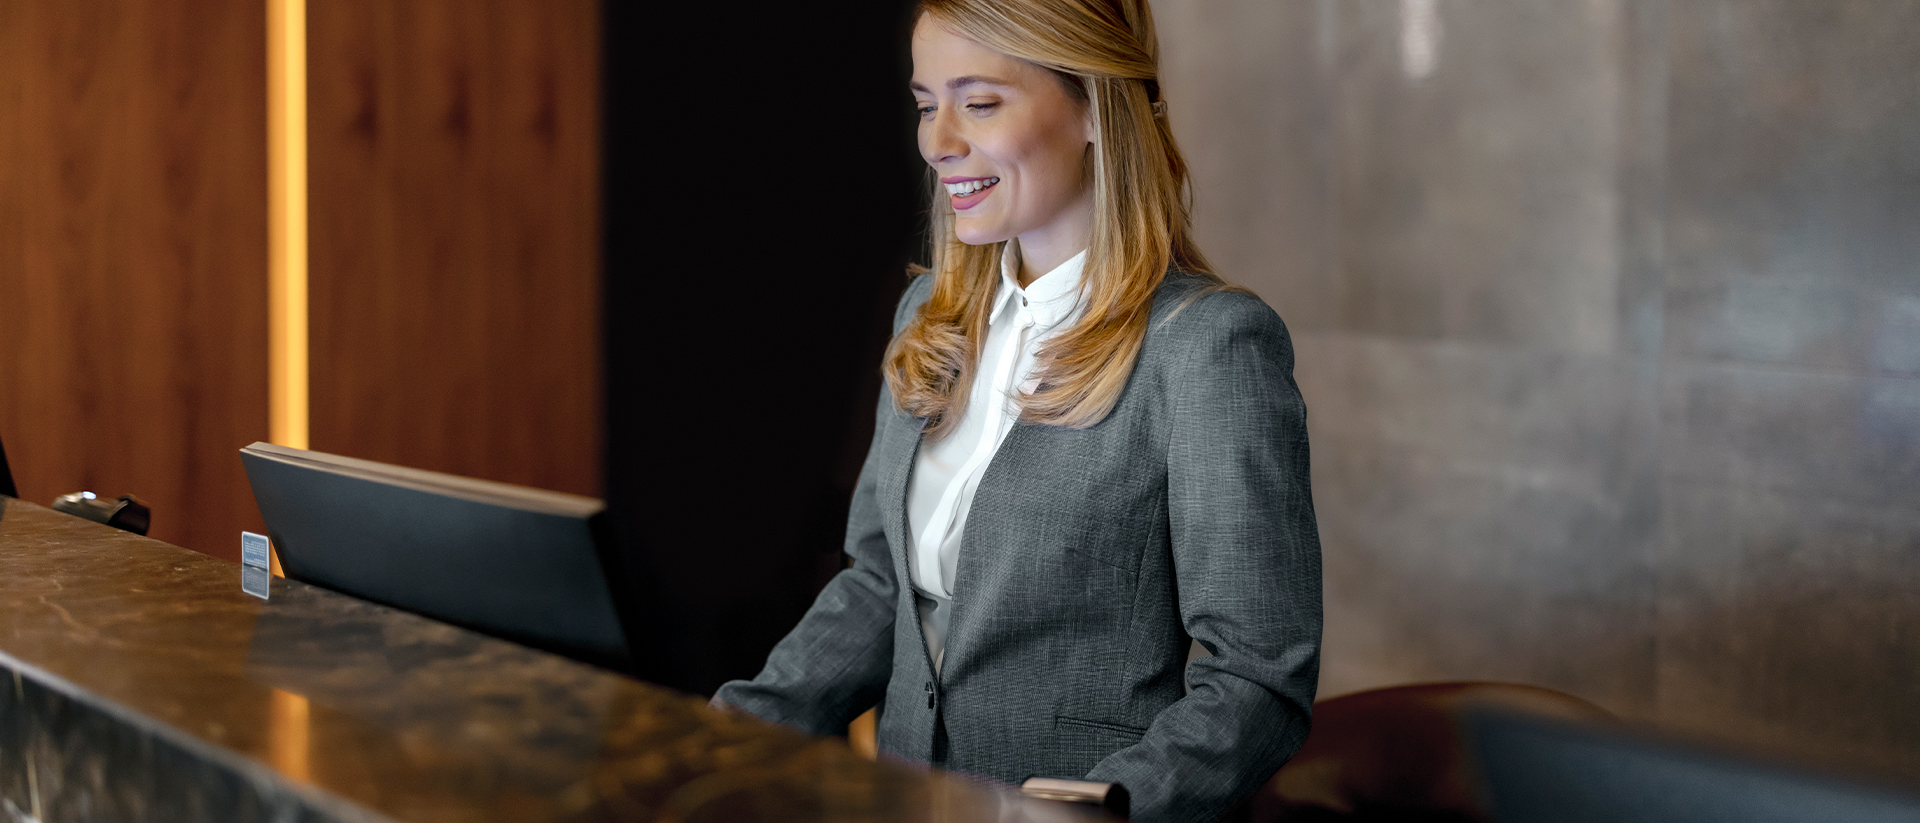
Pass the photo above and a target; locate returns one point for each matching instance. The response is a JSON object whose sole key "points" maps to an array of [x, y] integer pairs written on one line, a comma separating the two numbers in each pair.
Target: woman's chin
{"points": [[976, 235]]}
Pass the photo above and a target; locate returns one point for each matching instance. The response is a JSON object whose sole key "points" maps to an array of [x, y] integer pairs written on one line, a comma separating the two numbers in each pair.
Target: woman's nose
{"points": [[940, 141]]}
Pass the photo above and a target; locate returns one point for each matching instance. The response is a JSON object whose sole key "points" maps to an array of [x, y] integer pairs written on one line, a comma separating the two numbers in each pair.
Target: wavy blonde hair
{"points": [[1106, 53]]}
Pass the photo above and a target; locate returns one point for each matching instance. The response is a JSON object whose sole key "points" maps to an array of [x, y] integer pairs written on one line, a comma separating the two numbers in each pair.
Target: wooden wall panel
{"points": [[454, 236], [133, 255]]}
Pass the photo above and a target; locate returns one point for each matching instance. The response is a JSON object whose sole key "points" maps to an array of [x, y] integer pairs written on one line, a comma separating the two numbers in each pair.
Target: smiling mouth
{"points": [[971, 186]]}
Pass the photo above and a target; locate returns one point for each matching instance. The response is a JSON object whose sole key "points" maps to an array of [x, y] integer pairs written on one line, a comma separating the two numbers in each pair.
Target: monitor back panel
{"points": [[495, 558]]}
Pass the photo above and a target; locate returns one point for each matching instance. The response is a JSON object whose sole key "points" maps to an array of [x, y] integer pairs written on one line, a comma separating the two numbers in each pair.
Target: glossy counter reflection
{"points": [[143, 685]]}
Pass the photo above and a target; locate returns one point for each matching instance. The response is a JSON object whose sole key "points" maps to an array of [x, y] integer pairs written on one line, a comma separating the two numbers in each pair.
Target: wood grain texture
{"points": [[133, 255], [454, 208]]}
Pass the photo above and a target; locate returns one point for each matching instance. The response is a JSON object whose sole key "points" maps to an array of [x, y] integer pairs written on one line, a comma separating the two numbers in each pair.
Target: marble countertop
{"points": [[345, 710]]}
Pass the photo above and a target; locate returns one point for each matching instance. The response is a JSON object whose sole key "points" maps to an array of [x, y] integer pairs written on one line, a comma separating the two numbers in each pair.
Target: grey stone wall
{"points": [[1608, 321]]}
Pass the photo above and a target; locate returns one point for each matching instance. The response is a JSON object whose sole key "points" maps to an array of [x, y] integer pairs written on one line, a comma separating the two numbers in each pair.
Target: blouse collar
{"points": [[1052, 297]]}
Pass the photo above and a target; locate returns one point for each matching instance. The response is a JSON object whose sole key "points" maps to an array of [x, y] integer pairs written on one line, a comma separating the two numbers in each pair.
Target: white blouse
{"points": [[946, 472]]}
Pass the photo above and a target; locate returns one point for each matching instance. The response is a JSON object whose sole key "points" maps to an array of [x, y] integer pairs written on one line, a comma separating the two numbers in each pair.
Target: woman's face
{"points": [[1005, 137]]}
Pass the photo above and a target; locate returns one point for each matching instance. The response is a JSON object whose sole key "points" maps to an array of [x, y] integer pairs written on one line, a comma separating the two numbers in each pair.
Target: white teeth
{"points": [[969, 187]]}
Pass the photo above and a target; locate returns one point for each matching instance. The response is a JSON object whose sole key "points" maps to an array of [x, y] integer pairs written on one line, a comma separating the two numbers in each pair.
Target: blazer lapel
{"points": [[898, 449], [1013, 451]]}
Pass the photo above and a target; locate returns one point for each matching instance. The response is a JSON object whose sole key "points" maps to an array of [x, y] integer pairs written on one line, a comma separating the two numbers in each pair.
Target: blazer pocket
{"points": [[1109, 562], [1129, 734], [1076, 746]]}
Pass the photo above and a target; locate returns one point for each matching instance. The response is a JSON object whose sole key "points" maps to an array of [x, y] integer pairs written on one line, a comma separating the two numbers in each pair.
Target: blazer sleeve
{"points": [[1246, 558], [836, 663]]}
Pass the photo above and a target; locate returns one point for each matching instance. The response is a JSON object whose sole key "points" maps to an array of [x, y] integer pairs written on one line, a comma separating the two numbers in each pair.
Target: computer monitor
{"points": [[1542, 771], [518, 563]]}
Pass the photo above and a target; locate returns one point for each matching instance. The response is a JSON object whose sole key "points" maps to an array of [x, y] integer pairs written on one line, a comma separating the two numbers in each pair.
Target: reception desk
{"points": [[142, 684]]}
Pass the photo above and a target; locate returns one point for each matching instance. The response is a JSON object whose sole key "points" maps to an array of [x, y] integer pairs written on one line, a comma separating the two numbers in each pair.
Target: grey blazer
{"points": [[1090, 557]]}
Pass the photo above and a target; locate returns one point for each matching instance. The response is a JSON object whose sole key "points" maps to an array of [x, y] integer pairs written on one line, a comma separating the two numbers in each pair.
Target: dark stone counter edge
{"points": [[269, 788]]}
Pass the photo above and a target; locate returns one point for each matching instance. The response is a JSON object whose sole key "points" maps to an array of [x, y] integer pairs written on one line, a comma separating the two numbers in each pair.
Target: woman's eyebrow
{"points": [[964, 81]]}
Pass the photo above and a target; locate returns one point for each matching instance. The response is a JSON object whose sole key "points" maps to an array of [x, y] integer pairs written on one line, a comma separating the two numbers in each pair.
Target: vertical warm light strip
{"points": [[287, 222], [288, 726]]}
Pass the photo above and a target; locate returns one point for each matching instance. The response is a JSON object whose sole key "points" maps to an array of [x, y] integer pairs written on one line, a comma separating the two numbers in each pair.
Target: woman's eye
{"points": [[982, 106], [924, 110]]}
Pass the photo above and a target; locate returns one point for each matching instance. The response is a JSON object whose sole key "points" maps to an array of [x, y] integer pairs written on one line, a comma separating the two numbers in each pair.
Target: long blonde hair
{"points": [[1142, 220]]}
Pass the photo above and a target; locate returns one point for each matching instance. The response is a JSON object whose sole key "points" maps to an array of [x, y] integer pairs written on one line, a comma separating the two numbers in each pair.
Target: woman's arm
{"points": [[1246, 555], [835, 664]]}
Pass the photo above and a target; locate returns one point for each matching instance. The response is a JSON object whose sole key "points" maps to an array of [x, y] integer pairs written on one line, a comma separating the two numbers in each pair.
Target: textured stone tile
{"points": [[1792, 622], [1794, 184], [1246, 88], [1478, 151], [1585, 295], [1816, 434], [1589, 420], [1486, 512], [1437, 571], [1643, 178]]}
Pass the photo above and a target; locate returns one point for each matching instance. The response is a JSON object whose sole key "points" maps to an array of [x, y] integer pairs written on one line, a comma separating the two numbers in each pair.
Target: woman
{"points": [[1088, 454]]}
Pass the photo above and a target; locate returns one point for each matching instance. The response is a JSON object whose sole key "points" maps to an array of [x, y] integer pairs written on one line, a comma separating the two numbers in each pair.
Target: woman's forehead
{"points": [[945, 60]]}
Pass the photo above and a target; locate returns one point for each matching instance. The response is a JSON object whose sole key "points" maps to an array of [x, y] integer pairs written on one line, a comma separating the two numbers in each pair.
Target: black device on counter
{"points": [[126, 513], [6, 475], [519, 563]]}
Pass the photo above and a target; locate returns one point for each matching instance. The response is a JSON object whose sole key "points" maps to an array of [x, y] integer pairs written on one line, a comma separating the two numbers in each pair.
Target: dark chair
{"points": [[1400, 754]]}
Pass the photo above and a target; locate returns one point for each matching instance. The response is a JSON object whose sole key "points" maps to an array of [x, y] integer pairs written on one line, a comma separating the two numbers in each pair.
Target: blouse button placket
{"points": [[940, 525]]}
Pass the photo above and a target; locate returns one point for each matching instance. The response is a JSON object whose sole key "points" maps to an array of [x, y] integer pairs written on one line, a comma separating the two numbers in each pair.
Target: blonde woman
{"points": [[1090, 452]]}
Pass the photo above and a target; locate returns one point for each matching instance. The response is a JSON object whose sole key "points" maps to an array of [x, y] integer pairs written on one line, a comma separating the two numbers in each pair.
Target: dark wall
{"points": [[760, 208]]}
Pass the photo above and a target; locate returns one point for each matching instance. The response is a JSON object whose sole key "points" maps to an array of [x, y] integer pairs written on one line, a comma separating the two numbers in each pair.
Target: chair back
{"points": [[1400, 754]]}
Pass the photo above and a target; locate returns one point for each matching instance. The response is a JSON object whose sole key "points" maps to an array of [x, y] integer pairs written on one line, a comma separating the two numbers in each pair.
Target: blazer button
{"points": [[929, 694]]}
